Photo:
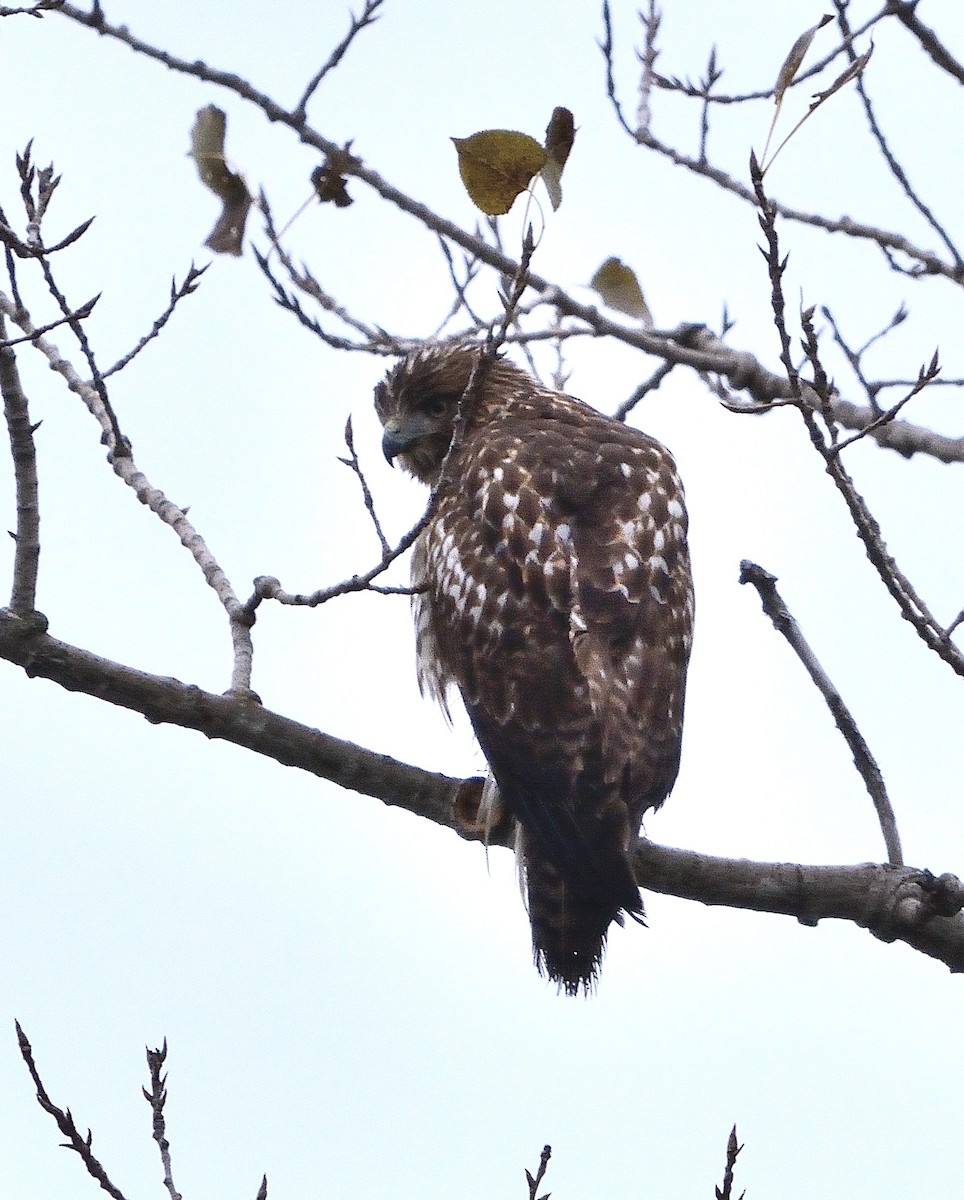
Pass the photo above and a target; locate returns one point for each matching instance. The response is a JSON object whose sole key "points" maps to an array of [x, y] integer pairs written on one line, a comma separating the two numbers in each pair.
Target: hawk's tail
{"points": [[570, 919]]}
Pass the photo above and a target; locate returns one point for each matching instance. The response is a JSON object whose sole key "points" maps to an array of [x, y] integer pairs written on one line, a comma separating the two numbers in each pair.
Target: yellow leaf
{"points": [[619, 288], [560, 134], [496, 165], [207, 150]]}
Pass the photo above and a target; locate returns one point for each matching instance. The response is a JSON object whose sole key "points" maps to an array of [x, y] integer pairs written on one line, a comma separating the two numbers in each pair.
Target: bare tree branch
{"points": [[894, 903], [26, 562], [368, 16], [913, 608], [157, 1098], [534, 1180], [700, 351], [355, 466], [65, 1123], [906, 12], [124, 467], [733, 1148], [776, 609], [178, 292], [886, 153]]}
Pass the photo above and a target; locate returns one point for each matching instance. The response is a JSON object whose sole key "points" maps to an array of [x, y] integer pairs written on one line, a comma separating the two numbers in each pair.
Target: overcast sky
{"points": [[347, 991]]}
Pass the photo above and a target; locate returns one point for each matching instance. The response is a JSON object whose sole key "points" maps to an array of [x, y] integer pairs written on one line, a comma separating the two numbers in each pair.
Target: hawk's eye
{"points": [[435, 406]]}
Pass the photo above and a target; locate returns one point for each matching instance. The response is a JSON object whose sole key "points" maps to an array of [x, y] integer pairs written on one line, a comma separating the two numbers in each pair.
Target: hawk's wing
{"points": [[560, 594]]}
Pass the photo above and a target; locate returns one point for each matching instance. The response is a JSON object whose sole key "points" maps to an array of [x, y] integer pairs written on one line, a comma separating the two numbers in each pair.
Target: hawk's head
{"points": [[418, 401]]}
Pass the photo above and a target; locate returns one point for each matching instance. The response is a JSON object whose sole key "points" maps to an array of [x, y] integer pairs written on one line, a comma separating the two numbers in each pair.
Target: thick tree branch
{"points": [[893, 903], [240, 720]]}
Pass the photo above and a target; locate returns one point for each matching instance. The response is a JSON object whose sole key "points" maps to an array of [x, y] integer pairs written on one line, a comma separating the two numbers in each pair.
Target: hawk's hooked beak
{"points": [[401, 433], [394, 442]]}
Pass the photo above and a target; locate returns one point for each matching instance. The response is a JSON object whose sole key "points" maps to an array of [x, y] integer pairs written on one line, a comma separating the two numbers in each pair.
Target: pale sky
{"points": [[347, 991]]}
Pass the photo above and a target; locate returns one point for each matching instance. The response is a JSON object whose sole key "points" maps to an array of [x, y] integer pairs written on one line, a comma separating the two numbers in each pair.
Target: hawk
{"points": [[555, 593]]}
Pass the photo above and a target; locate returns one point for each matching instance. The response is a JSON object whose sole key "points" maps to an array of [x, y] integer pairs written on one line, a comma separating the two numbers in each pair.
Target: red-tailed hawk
{"points": [[558, 598]]}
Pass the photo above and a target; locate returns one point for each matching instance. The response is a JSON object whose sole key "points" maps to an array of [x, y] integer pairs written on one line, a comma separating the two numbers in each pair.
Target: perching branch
{"points": [[894, 903]]}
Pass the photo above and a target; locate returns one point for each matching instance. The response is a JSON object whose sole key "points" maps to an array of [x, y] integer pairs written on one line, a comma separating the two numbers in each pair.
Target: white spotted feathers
{"points": [[558, 599]]}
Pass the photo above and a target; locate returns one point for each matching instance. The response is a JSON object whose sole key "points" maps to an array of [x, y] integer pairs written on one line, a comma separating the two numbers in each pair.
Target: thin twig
{"points": [[712, 76], [460, 287], [606, 46], [36, 208], [154, 499], [534, 1180], [927, 262], [355, 466], [906, 12], [79, 313], [925, 377], [647, 386], [368, 17], [878, 134], [34, 10], [178, 292], [685, 87], [157, 1098], [26, 562], [911, 605], [65, 1123], [650, 21], [733, 1148], [776, 609]]}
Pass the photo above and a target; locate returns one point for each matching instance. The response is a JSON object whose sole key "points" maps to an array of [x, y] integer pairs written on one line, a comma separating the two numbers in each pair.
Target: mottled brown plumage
{"points": [[559, 601]]}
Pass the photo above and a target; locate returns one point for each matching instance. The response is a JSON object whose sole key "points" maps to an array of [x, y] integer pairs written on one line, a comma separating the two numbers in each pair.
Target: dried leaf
{"points": [[619, 288], [560, 134], [852, 71], [794, 60], [496, 166], [329, 180], [207, 150], [856, 68]]}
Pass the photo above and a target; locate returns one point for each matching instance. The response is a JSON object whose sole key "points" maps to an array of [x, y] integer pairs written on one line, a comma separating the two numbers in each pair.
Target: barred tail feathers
{"points": [[570, 921]]}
